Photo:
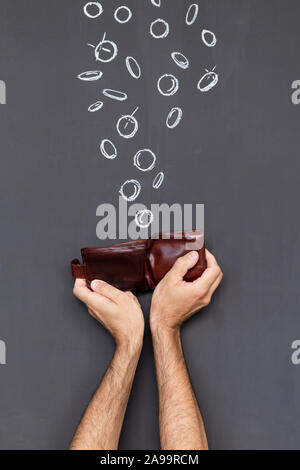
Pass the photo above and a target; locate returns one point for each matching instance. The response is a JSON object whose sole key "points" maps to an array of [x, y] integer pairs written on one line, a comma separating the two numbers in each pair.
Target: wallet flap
{"points": [[121, 265], [164, 252]]}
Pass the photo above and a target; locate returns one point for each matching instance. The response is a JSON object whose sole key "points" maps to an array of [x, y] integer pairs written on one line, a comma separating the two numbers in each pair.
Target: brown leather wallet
{"points": [[140, 265]]}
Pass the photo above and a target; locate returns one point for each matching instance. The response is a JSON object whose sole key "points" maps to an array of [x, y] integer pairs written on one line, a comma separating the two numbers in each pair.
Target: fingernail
{"points": [[193, 255], [96, 284]]}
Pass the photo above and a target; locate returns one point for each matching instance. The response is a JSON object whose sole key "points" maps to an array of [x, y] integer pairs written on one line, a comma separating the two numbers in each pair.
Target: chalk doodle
{"points": [[105, 51], [133, 67], [127, 126], [208, 81], [90, 76], [168, 85], [158, 180], [209, 38], [144, 218], [192, 14], [159, 29], [93, 9], [180, 60], [95, 106], [108, 149], [156, 3], [115, 95], [176, 113], [123, 14], [132, 195], [149, 160]]}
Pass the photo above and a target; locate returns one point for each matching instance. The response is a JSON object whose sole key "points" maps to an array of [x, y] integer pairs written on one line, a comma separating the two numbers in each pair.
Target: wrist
{"points": [[159, 323], [163, 332], [130, 347]]}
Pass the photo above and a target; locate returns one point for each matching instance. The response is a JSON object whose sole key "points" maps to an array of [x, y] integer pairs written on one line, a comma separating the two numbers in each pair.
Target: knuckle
{"points": [[219, 270], [201, 293], [207, 300]]}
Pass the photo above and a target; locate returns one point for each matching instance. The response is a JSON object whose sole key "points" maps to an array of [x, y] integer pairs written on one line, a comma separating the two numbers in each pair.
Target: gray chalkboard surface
{"points": [[235, 150]]}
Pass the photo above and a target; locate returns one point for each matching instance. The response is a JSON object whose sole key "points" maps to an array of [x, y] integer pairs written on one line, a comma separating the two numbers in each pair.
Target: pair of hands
{"points": [[174, 301]]}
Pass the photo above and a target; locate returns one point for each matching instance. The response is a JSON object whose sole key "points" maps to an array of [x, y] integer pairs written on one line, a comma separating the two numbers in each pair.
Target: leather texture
{"points": [[140, 265]]}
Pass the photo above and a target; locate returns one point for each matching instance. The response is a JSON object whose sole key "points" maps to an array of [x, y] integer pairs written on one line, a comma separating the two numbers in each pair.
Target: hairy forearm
{"points": [[101, 425], [181, 425]]}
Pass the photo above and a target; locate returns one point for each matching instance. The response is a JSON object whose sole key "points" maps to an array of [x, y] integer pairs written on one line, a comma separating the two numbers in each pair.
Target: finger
{"points": [[92, 299], [211, 260], [208, 278], [96, 316], [92, 313], [81, 291], [108, 291], [130, 294], [216, 284], [184, 264]]}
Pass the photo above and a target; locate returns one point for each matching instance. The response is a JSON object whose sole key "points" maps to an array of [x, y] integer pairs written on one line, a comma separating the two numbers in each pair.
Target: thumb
{"points": [[185, 263], [106, 290]]}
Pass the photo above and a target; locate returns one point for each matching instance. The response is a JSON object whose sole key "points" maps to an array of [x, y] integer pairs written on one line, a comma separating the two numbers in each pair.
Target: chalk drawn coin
{"points": [[130, 190], [108, 149], [208, 81], [123, 14], [127, 126], [145, 160], [90, 76], [159, 29], [105, 51], [209, 38], [133, 67], [115, 95], [156, 3], [192, 14], [144, 218], [95, 106], [174, 118], [180, 60], [158, 180], [168, 85], [93, 9]]}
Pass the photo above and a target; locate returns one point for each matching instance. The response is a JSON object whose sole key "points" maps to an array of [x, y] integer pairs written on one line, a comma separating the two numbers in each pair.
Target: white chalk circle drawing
{"points": [[209, 38], [174, 118], [115, 94], [130, 190], [123, 14], [156, 3], [127, 126], [158, 180], [90, 76], [105, 51], [95, 106], [144, 218], [159, 29], [180, 60], [168, 85], [93, 9], [208, 81], [192, 14], [145, 160], [108, 149], [133, 67]]}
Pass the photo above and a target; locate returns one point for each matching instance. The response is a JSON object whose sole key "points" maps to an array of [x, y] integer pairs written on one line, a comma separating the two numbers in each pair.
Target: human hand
{"points": [[174, 300], [119, 312]]}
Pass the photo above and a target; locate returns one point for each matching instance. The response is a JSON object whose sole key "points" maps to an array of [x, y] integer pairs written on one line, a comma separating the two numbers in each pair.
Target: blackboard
{"points": [[235, 150]]}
